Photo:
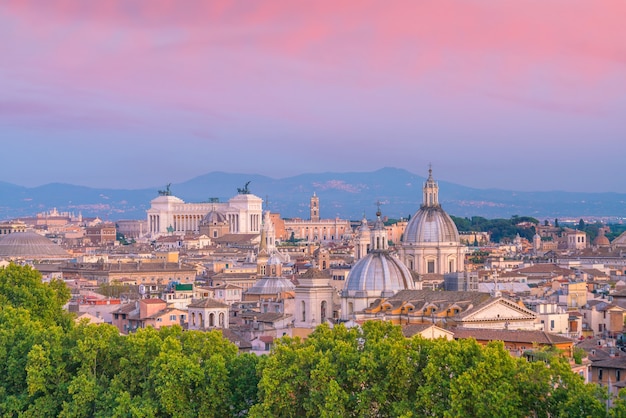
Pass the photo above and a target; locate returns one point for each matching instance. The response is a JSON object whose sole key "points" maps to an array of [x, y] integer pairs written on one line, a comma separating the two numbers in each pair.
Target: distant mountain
{"points": [[344, 195]]}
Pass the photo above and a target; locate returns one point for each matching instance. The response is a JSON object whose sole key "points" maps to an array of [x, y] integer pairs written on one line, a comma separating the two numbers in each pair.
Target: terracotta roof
{"points": [[551, 269], [265, 317], [518, 336], [236, 338], [235, 238], [414, 329], [152, 301], [161, 313], [207, 304], [594, 272], [617, 362], [125, 309]]}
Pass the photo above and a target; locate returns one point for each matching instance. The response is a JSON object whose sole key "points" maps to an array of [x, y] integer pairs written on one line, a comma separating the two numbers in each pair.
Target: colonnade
{"points": [[183, 223]]}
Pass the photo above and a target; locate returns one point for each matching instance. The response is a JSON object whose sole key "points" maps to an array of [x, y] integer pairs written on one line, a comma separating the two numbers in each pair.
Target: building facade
{"points": [[169, 214]]}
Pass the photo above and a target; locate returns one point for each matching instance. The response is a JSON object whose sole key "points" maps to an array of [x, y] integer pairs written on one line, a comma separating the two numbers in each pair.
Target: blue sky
{"points": [[522, 95]]}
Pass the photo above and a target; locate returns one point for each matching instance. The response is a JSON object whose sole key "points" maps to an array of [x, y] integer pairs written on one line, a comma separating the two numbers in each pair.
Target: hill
{"points": [[345, 195]]}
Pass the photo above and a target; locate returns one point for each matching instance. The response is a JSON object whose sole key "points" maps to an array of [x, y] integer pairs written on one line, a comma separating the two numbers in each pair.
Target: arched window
{"points": [[211, 319], [350, 308], [221, 319], [201, 322], [323, 311], [193, 319], [303, 306]]}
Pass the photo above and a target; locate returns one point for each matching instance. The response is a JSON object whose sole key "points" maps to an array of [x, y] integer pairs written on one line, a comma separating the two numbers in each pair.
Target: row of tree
{"points": [[50, 366], [501, 230]]}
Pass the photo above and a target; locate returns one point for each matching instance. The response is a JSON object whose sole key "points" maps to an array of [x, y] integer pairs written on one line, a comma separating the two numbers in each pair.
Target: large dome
{"points": [[430, 224], [30, 245], [379, 273]]}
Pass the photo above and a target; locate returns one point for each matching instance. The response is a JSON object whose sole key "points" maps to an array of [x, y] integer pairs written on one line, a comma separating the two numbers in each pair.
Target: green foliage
{"points": [[21, 287], [52, 368], [375, 371], [500, 229]]}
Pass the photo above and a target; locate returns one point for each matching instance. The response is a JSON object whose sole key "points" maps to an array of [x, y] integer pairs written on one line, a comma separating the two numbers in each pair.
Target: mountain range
{"points": [[344, 195]]}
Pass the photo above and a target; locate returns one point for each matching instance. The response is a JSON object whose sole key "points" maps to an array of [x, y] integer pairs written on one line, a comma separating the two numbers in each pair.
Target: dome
{"points": [[430, 224], [601, 240], [379, 272], [30, 245], [214, 218], [271, 286]]}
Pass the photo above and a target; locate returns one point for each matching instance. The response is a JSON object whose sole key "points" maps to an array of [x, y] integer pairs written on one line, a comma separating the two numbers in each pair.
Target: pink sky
{"points": [[527, 95]]}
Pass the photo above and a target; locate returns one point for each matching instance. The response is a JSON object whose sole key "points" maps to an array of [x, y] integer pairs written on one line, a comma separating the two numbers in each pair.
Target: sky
{"points": [[523, 95]]}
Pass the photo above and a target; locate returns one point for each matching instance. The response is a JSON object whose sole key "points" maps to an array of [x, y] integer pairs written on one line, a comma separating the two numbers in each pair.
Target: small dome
{"points": [[379, 272], [30, 245], [214, 218], [430, 224], [363, 228], [601, 241], [271, 286]]}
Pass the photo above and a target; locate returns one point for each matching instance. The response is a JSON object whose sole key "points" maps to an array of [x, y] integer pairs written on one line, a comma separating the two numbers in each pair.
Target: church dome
{"points": [[214, 218], [30, 245], [430, 224], [601, 240], [380, 273], [271, 286]]}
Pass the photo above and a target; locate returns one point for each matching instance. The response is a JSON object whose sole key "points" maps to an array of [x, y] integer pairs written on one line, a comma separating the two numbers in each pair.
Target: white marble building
{"points": [[170, 214]]}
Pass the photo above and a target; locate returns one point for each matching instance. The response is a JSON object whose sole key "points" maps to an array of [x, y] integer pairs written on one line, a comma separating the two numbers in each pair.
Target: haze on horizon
{"points": [[517, 95]]}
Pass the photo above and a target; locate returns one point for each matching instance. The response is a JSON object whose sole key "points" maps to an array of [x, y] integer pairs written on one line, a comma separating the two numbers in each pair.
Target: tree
{"points": [[581, 225], [21, 287]]}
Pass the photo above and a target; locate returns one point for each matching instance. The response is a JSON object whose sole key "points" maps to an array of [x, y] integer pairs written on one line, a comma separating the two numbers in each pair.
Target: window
{"points": [[431, 266], [172, 317], [599, 375], [618, 375]]}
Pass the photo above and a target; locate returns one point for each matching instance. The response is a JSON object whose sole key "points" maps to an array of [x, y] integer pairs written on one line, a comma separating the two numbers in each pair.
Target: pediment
{"points": [[500, 309]]}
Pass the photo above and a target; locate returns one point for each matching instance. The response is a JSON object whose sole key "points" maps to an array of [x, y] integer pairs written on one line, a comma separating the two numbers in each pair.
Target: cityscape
{"points": [[256, 278], [279, 209]]}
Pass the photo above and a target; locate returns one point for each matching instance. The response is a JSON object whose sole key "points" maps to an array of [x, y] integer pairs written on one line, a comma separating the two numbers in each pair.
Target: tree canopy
{"points": [[500, 229], [53, 367]]}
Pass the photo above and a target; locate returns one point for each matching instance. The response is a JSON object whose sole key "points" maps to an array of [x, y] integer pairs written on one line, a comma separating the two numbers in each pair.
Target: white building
{"points": [[170, 214]]}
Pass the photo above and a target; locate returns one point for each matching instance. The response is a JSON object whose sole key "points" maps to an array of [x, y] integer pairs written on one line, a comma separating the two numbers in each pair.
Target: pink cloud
{"points": [[266, 58]]}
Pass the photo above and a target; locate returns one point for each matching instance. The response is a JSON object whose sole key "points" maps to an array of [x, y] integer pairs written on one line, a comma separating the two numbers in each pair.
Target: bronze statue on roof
{"points": [[167, 191], [244, 189]]}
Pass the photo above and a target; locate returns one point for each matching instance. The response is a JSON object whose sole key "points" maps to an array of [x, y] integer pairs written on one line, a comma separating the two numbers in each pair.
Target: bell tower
{"points": [[315, 208]]}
